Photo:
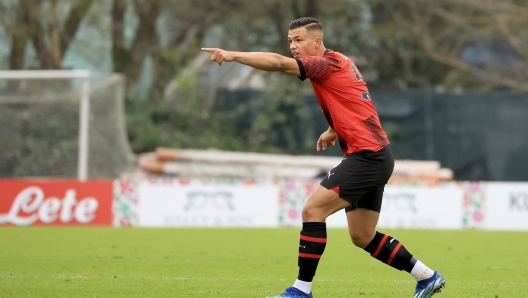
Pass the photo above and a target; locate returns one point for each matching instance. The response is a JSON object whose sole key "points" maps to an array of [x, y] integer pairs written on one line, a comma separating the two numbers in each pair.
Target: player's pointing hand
{"points": [[219, 55]]}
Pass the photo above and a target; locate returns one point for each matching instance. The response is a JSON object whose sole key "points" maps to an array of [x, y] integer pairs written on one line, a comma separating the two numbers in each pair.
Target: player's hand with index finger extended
{"points": [[219, 55]]}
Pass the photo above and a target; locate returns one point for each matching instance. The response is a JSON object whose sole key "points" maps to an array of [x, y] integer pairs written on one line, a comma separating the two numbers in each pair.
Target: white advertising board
{"points": [[416, 206], [506, 206], [200, 204], [239, 203]]}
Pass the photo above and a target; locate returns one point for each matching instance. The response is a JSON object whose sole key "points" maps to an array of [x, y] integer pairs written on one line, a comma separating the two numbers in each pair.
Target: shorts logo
{"points": [[330, 173]]}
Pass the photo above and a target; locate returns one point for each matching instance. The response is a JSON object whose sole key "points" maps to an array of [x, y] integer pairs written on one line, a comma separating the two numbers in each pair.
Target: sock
{"points": [[311, 247], [421, 272], [390, 251], [304, 286]]}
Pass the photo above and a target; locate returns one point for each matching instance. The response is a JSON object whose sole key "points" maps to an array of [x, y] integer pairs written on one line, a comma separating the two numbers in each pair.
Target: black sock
{"points": [[311, 248], [390, 251]]}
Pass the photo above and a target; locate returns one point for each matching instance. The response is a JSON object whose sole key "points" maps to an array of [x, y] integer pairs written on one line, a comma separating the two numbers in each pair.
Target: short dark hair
{"points": [[308, 22]]}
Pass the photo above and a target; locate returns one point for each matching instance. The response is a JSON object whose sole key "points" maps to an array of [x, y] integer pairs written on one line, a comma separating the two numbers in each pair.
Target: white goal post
{"points": [[84, 77]]}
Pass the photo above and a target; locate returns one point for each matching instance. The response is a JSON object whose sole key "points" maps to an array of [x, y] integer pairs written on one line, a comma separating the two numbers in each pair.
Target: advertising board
{"points": [[240, 203], [198, 203], [506, 206], [55, 202]]}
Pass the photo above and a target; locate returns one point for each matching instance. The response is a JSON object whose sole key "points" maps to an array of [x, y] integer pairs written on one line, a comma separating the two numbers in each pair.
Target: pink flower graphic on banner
{"points": [[127, 186], [478, 216], [293, 213], [474, 186], [168, 182], [290, 185]]}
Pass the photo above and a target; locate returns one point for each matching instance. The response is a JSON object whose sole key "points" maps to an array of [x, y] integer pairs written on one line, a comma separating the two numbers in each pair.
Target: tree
{"points": [[37, 21], [486, 39]]}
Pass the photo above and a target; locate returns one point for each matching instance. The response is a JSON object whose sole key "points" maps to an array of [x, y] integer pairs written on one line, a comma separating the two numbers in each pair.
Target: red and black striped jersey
{"points": [[345, 101]]}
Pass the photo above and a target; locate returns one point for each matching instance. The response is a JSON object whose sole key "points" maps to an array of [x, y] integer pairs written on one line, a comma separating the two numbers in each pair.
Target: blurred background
{"points": [[449, 79]]}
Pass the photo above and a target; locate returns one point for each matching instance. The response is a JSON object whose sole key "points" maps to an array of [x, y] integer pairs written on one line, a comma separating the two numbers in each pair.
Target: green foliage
{"points": [[155, 123], [110, 262], [279, 121], [284, 124]]}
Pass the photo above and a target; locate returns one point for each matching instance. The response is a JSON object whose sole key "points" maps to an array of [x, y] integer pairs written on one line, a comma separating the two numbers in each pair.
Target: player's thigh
{"points": [[321, 204]]}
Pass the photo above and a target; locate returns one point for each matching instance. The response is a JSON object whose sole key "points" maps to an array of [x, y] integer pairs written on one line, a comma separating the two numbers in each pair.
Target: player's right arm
{"points": [[258, 60]]}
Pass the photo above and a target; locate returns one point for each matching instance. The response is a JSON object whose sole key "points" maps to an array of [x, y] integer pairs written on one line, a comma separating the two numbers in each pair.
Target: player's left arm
{"points": [[258, 60], [327, 139]]}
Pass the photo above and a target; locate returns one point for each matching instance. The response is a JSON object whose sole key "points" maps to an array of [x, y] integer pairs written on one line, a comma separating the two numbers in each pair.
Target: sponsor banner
{"points": [[506, 206], [205, 203], [241, 203], [55, 202], [419, 206]]}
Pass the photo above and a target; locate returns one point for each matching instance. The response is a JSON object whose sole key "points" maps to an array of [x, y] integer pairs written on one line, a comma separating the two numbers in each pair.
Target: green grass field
{"points": [[112, 262]]}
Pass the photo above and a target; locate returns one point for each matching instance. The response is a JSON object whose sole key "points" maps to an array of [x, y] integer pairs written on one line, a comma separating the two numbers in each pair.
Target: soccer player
{"points": [[356, 184]]}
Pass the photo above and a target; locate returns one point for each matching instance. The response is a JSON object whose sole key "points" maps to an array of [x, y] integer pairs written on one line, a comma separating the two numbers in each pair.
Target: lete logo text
{"points": [[62, 202]]}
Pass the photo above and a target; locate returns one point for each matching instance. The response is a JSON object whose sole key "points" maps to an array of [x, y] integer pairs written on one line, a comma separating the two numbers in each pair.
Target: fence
{"points": [[480, 136]]}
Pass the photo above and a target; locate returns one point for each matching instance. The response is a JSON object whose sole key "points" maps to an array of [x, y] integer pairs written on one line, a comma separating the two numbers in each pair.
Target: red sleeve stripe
{"points": [[312, 239], [380, 246], [310, 256], [394, 253]]}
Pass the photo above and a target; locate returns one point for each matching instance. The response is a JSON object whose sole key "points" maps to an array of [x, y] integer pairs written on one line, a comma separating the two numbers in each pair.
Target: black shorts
{"points": [[360, 178]]}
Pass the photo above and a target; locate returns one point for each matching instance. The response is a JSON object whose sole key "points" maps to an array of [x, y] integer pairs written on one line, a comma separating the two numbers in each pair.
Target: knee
{"points": [[310, 214], [362, 239], [307, 213]]}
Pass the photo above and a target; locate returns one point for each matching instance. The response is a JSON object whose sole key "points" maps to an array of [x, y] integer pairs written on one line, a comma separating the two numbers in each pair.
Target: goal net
{"points": [[62, 124]]}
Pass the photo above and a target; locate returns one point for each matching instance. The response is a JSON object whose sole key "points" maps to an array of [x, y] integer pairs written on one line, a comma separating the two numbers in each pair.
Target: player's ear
{"points": [[318, 42]]}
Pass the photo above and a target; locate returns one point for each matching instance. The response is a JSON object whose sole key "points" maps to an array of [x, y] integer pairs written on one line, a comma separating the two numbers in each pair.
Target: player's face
{"points": [[302, 43]]}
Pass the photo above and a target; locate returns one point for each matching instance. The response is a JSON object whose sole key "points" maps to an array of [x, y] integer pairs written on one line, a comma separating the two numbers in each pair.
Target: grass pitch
{"points": [[113, 262]]}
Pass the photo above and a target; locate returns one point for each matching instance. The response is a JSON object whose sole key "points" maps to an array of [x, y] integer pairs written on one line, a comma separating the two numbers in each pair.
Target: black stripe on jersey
{"points": [[375, 129], [302, 77]]}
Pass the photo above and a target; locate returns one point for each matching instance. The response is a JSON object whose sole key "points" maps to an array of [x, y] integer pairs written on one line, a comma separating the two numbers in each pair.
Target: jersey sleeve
{"points": [[317, 67]]}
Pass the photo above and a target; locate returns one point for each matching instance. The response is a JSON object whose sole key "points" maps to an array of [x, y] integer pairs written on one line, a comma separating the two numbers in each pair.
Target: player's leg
{"points": [[362, 223], [373, 172], [391, 252], [321, 204]]}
